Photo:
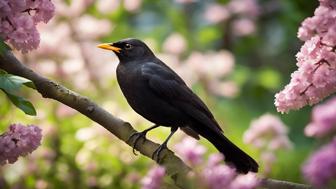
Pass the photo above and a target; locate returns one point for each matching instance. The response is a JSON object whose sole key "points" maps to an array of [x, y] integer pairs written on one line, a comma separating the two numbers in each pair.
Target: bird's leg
{"points": [[163, 145], [139, 135]]}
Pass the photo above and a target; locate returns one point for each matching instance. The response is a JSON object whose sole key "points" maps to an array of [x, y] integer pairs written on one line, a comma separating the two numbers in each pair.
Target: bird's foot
{"points": [[157, 152], [137, 136]]}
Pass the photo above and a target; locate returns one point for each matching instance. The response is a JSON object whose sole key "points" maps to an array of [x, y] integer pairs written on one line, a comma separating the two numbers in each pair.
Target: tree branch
{"points": [[280, 184], [175, 167]]}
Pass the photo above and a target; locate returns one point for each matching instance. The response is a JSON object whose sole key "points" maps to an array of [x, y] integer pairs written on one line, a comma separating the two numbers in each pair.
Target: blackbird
{"points": [[158, 94]]}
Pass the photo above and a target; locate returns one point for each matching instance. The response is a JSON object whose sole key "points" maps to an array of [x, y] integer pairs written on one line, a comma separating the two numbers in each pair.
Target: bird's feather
{"points": [[170, 87], [189, 131]]}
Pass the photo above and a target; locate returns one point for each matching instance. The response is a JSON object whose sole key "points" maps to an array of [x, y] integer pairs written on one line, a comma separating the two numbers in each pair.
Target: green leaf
{"points": [[23, 104], [29, 84], [3, 46], [12, 83]]}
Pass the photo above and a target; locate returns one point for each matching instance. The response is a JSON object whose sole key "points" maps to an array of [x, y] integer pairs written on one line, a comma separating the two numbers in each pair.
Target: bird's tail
{"points": [[234, 155]]}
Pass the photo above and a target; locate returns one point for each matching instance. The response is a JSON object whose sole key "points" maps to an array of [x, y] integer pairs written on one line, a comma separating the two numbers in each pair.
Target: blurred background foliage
{"points": [[77, 153]]}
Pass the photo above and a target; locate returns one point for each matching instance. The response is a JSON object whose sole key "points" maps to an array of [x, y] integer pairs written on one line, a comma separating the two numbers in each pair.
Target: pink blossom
{"points": [[86, 27], [175, 44], [154, 178], [330, 3], [223, 88], [323, 119], [72, 9], [248, 8], [132, 5], [212, 174], [243, 27], [248, 181], [4, 8], [45, 11], [216, 13], [218, 177], [321, 23], [280, 142], [107, 7], [190, 151], [267, 158], [267, 131], [315, 78], [18, 20], [25, 35], [321, 166], [42, 184], [133, 177], [215, 159], [211, 65], [18, 141], [51, 36]]}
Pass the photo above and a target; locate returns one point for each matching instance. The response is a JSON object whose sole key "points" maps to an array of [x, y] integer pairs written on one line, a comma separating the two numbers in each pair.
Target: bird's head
{"points": [[129, 49]]}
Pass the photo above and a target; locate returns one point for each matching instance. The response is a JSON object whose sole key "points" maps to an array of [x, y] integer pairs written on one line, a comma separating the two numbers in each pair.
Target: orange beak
{"points": [[109, 46]]}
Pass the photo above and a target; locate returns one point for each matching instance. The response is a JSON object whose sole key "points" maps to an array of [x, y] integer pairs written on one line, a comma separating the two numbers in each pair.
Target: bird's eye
{"points": [[128, 46]]}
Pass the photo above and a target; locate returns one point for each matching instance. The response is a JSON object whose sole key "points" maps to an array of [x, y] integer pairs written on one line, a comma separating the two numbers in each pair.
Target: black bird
{"points": [[157, 93]]}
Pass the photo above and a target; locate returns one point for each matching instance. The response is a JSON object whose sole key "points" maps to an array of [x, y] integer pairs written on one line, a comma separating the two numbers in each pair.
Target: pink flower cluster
{"points": [[269, 134], [154, 178], [175, 44], [190, 151], [244, 13], [218, 176], [18, 141], [323, 119], [316, 75], [18, 20], [212, 174], [321, 166]]}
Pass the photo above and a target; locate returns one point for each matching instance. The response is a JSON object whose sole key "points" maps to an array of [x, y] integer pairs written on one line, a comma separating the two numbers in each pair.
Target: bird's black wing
{"points": [[170, 87]]}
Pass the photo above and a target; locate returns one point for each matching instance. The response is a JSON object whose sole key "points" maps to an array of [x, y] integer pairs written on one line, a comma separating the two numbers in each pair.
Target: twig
{"points": [[280, 184], [175, 167]]}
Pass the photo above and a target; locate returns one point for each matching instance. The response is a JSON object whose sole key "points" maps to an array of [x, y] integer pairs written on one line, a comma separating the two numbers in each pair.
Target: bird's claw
{"points": [[138, 136], [157, 152]]}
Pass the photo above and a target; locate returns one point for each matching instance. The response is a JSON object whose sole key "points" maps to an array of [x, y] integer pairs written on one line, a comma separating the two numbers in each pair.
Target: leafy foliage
{"points": [[10, 85], [3, 46]]}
